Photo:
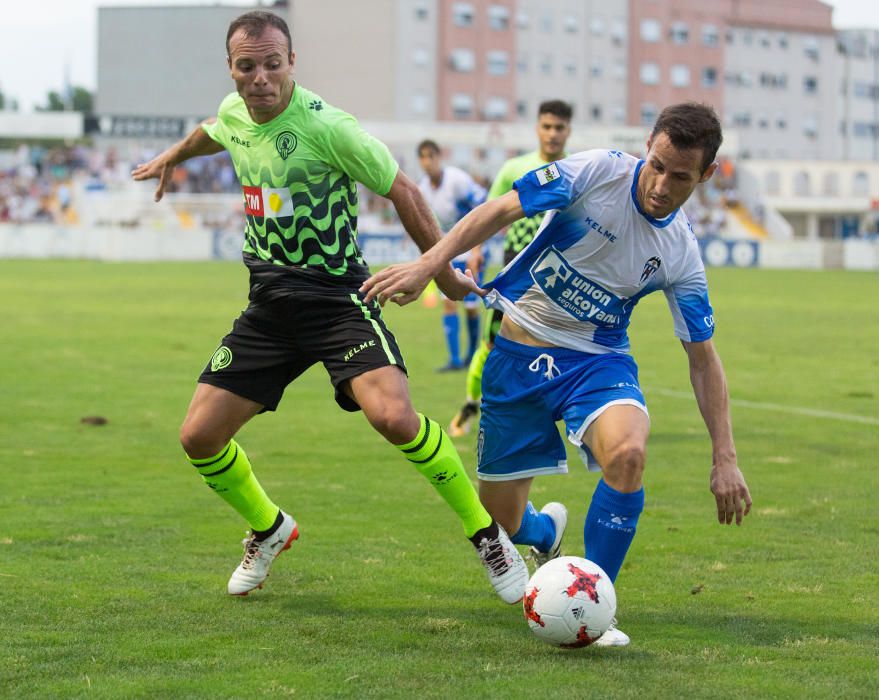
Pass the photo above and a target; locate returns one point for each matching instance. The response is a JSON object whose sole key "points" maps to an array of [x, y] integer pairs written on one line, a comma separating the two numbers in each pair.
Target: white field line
{"points": [[795, 410]]}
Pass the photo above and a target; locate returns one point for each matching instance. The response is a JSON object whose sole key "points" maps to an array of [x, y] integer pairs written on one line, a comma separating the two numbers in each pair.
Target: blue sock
{"points": [[537, 529], [451, 325], [472, 336], [610, 526]]}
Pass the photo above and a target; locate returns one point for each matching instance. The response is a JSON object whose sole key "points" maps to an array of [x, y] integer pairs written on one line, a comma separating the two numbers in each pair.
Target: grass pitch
{"points": [[114, 557]]}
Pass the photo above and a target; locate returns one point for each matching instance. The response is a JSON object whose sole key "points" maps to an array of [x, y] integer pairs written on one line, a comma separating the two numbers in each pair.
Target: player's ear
{"points": [[709, 171], [292, 59]]}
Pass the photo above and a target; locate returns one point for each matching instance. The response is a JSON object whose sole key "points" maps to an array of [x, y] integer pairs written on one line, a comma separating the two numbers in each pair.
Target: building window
{"points": [[463, 14], [419, 103], [831, 184], [651, 30], [570, 24], [546, 22], [810, 126], [810, 84], [680, 75], [782, 41], [810, 47], [522, 63], [650, 74], [498, 17], [648, 114], [764, 41], [462, 105], [741, 119], [522, 20], [498, 62], [463, 60], [496, 108], [802, 186], [763, 121], [619, 70], [679, 33], [709, 77], [710, 35], [596, 26], [595, 68], [421, 11], [521, 108], [781, 122], [571, 66], [595, 112], [618, 32], [861, 184], [421, 57], [747, 38], [546, 63], [619, 115]]}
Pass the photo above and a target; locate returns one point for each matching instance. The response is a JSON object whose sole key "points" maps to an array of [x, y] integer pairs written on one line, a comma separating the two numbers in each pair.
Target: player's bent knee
{"points": [[198, 443], [626, 463], [396, 421]]}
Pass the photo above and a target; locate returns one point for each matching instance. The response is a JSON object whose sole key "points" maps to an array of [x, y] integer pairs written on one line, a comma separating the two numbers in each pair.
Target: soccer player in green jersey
{"points": [[553, 129], [298, 160]]}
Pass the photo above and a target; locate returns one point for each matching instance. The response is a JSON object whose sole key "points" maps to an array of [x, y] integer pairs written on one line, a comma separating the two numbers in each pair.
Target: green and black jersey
{"points": [[299, 173], [520, 232]]}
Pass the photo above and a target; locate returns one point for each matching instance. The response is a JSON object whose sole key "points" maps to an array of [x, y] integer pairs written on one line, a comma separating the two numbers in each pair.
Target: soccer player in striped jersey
{"points": [[614, 231], [553, 129], [298, 160]]}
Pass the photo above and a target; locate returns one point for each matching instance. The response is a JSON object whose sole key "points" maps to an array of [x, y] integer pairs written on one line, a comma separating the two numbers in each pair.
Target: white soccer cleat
{"points": [[259, 555], [505, 567], [559, 515], [613, 637]]}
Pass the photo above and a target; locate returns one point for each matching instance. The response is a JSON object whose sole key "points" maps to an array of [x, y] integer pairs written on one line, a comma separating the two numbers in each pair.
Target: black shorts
{"points": [[275, 341]]}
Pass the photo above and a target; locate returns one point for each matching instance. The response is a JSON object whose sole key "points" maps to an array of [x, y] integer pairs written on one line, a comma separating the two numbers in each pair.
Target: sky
{"points": [[42, 41]]}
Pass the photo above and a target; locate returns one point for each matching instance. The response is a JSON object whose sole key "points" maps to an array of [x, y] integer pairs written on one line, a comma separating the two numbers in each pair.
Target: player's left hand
{"points": [[731, 493]]}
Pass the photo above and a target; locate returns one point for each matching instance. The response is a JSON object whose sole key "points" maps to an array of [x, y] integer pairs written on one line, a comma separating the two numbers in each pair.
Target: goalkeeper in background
{"points": [[553, 129]]}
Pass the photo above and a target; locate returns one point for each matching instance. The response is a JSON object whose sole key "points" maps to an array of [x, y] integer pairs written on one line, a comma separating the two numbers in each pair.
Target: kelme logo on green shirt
{"points": [[222, 358], [286, 143]]}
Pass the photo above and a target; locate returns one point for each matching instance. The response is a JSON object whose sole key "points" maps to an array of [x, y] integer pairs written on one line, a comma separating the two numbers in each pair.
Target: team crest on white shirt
{"points": [[651, 267]]}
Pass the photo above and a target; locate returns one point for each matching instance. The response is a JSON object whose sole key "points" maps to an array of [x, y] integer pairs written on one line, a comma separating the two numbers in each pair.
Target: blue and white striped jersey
{"points": [[596, 255], [456, 194]]}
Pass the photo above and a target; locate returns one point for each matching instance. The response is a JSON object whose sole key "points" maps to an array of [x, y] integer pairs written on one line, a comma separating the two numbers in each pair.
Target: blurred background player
{"points": [[295, 154], [553, 129], [613, 232], [452, 193]]}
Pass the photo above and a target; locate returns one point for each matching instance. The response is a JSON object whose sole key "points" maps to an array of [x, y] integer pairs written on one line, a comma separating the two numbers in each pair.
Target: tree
{"points": [[81, 100]]}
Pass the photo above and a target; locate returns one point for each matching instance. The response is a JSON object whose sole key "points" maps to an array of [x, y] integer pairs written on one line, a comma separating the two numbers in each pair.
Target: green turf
{"points": [[114, 557]]}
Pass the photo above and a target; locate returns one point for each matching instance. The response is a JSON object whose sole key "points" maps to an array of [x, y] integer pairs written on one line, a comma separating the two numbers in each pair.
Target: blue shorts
{"points": [[526, 389], [472, 299]]}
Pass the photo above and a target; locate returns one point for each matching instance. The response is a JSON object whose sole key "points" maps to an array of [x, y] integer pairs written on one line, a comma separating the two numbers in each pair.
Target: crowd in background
{"points": [[39, 184]]}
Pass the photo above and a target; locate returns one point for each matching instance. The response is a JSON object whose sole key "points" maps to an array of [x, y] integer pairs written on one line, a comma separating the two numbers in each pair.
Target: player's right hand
{"points": [[159, 167]]}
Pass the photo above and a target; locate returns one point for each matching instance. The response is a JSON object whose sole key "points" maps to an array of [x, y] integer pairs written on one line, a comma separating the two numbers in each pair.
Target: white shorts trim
{"points": [[576, 438], [560, 468]]}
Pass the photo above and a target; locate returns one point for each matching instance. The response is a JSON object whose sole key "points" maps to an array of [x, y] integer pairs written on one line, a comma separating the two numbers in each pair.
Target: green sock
{"points": [[434, 455], [474, 372], [230, 476]]}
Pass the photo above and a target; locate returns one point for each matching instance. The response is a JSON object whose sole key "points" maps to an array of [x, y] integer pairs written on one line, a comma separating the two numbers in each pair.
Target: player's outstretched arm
{"points": [[197, 143], [404, 283], [709, 384]]}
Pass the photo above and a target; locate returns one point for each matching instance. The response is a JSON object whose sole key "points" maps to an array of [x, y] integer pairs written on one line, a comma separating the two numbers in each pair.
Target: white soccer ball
{"points": [[569, 602]]}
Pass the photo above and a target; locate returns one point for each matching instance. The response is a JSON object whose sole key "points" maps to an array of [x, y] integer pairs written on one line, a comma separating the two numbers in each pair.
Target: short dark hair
{"points": [[254, 24], [428, 144], [558, 108], [691, 125]]}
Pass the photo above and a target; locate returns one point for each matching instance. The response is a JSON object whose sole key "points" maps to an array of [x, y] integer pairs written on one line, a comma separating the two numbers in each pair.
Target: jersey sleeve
{"points": [[219, 130], [688, 300], [353, 151], [557, 185]]}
